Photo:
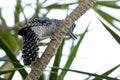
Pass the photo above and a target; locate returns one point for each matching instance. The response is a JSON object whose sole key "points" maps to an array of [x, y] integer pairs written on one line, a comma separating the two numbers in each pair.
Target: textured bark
{"points": [[57, 38]]}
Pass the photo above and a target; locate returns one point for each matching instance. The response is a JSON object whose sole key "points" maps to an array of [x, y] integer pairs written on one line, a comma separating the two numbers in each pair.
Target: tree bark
{"points": [[57, 38]]}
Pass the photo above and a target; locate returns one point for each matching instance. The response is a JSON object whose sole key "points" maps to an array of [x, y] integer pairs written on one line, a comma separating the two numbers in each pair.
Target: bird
{"points": [[36, 30]]}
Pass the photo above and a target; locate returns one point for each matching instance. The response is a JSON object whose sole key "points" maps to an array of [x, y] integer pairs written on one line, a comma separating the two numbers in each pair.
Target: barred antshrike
{"points": [[36, 30]]}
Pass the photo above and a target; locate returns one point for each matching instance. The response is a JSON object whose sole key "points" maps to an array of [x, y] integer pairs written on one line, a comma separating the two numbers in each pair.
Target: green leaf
{"points": [[8, 71], [112, 4], [72, 55], [37, 9], [10, 41], [87, 73], [2, 18], [11, 75], [115, 36], [42, 77], [17, 11], [12, 57], [107, 72], [54, 72], [111, 70], [108, 18]]}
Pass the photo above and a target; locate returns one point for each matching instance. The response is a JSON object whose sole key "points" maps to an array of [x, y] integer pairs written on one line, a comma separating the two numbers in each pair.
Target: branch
{"points": [[57, 38]]}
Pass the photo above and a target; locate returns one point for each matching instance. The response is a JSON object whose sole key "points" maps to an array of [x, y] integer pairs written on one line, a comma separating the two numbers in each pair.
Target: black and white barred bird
{"points": [[36, 30]]}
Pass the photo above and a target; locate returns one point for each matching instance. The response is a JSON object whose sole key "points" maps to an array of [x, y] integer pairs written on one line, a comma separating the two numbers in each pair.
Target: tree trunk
{"points": [[57, 38]]}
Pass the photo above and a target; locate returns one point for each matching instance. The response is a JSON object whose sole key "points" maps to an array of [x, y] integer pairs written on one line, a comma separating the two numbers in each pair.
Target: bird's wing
{"points": [[30, 47]]}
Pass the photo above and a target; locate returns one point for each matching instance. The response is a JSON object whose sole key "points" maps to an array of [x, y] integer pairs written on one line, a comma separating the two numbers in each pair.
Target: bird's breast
{"points": [[41, 31]]}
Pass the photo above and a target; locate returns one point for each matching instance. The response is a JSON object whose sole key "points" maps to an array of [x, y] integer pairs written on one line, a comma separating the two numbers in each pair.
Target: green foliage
{"points": [[72, 56], [107, 73], [116, 36], [12, 58], [11, 43], [98, 77]]}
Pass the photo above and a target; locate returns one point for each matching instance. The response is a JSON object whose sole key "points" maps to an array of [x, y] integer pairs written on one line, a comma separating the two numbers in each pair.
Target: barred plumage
{"points": [[36, 30]]}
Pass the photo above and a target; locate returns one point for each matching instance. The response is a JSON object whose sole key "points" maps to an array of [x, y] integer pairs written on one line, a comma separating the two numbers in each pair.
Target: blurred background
{"points": [[95, 55]]}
